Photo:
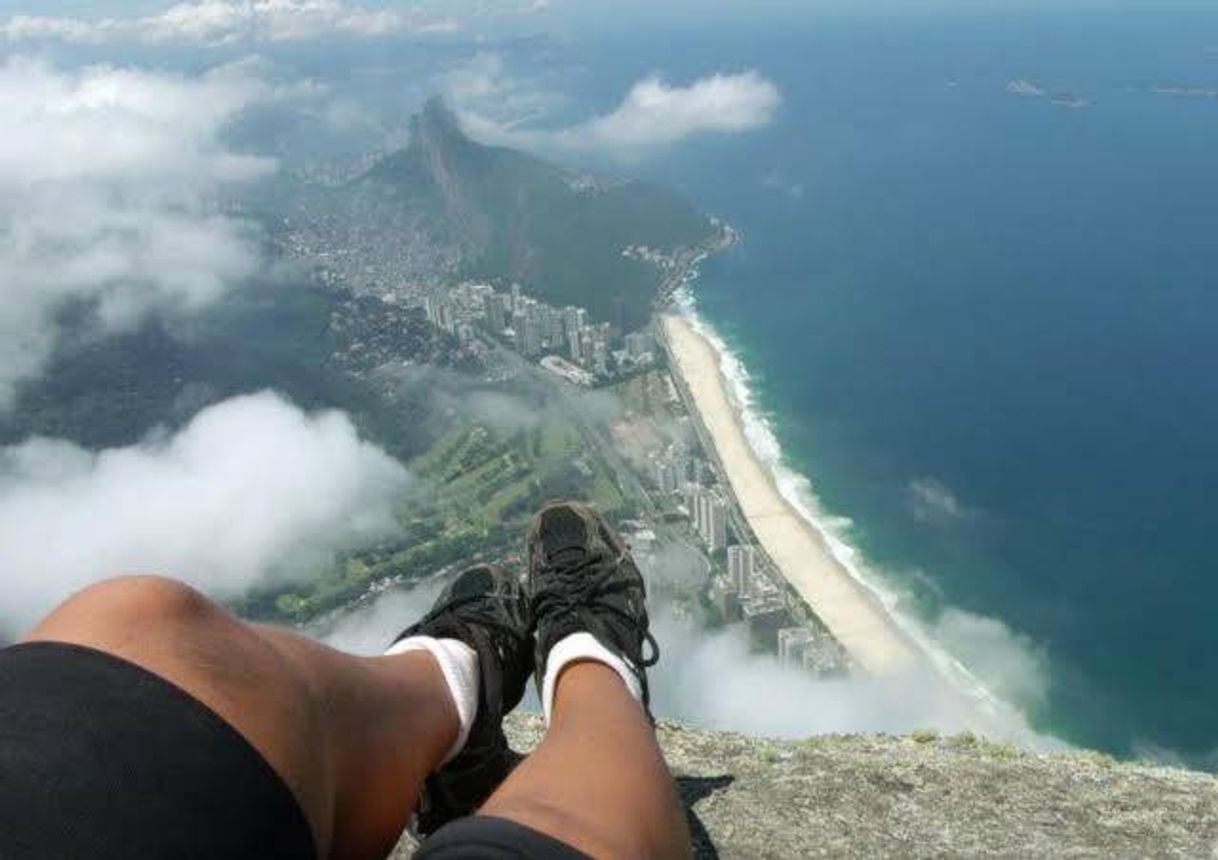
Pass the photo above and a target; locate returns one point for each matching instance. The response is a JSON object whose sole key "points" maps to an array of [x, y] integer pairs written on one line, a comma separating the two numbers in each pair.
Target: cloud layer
{"points": [[226, 22], [715, 681], [108, 187], [653, 116], [250, 489]]}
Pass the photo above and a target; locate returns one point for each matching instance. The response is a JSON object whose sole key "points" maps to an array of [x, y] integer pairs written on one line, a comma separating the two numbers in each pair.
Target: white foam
{"points": [[798, 490]]}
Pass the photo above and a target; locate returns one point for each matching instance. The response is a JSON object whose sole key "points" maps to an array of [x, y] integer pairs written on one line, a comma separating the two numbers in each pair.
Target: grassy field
{"points": [[477, 489]]}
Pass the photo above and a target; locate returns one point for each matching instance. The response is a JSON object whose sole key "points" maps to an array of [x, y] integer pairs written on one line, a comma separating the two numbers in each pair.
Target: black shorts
{"points": [[102, 759]]}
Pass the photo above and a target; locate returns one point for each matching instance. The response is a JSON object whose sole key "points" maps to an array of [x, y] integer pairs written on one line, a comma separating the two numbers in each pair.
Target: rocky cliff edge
{"points": [[922, 796]]}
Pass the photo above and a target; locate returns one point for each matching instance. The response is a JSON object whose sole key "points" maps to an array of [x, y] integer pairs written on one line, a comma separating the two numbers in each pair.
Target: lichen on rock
{"points": [[921, 796]]}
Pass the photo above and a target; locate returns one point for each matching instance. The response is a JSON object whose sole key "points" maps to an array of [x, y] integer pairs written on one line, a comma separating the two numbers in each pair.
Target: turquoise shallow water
{"points": [[985, 324]]}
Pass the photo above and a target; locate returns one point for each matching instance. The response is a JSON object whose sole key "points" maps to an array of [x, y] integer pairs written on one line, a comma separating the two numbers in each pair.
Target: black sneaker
{"points": [[486, 609], [582, 579]]}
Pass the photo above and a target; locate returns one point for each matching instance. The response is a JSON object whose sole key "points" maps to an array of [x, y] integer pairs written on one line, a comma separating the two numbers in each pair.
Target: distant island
{"points": [[1186, 92], [1061, 98], [1021, 87]]}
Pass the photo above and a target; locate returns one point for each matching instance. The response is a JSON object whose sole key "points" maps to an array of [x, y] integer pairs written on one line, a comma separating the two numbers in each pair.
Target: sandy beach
{"points": [[853, 615]]}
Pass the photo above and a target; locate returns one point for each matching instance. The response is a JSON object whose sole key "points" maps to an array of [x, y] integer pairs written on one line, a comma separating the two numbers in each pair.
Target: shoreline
{"points": [[800, 552]]}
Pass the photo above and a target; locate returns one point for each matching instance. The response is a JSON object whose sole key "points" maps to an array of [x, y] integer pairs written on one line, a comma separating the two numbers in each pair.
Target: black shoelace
{"points": [[575, 593], [496, 626]]}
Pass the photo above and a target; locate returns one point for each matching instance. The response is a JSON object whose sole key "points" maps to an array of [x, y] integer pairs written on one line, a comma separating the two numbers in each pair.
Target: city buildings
{"points": [[741, 561], [792, 643], [639, 346], [713, 517], [535, 328], [690, 496], [707, 515], [726, 599], [766, 615], [810, 648], [664, 472], [670, 469]]}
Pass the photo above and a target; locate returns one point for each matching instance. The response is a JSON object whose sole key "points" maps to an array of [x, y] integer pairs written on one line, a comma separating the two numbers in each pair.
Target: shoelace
{"points": [[574, 593], [487, 619]]}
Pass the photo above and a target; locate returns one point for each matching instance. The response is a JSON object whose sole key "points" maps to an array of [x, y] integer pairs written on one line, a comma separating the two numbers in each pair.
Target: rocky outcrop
{"points": [[923, 796]]}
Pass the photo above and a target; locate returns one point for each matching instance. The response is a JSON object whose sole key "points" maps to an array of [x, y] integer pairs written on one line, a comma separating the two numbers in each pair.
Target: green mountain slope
{"points": [[516, 217]]}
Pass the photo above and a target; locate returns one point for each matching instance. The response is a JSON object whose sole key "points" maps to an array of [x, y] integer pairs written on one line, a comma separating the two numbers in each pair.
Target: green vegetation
{"points": [[481, 486], [513, 218], [302, 342], [517, 218]]}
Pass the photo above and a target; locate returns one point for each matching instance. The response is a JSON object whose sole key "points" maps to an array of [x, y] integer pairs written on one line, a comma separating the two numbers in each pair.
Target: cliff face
{"points": [[923, 796]]}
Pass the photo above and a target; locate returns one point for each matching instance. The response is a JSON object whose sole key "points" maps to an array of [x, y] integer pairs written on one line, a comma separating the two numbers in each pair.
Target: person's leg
{"points": [[598, 780], [353, 738]]}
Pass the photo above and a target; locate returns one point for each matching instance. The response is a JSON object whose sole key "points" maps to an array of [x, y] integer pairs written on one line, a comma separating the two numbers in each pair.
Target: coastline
{"points": [[800, 552]]}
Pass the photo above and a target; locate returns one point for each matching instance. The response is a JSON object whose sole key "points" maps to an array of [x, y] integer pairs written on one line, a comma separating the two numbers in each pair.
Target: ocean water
{"points": [[984, 325]]}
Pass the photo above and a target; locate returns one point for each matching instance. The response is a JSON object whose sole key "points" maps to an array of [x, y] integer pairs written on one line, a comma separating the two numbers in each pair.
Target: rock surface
{"points": [[922, 796]]}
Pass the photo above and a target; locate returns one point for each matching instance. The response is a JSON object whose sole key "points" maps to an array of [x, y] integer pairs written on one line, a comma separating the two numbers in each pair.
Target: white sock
{"points": [[459, 665], [576, 648]]}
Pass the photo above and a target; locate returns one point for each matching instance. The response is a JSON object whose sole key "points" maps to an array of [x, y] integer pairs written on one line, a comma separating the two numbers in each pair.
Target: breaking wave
{"points": [[798, 490]]}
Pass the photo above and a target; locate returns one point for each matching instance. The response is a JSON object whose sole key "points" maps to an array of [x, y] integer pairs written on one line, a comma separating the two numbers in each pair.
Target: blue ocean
{"points": [[977, 299]]}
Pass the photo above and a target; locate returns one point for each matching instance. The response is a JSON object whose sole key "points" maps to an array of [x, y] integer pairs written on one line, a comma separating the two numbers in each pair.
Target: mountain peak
{"points": [[435, 122]]}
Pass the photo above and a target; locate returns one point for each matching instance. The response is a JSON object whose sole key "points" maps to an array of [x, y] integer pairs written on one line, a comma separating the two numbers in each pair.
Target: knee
{"points": [[133, 602]]}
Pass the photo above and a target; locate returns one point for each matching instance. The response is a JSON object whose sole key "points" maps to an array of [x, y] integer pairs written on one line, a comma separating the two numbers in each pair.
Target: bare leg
{"points": [[352, 737], [598, 780]]}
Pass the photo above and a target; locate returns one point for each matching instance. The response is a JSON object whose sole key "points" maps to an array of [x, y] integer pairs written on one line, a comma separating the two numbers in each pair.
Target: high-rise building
{"points": [[712, 520], [441, 313], [574, 320], [531, 330], [638, 344], [600, 349], [572, 327], [555, 337], [726, 600], [680, 465], [518, 321], [740, 563], [665, 473], [793, 644], [493, 312], [693, 494], [766, 616]]}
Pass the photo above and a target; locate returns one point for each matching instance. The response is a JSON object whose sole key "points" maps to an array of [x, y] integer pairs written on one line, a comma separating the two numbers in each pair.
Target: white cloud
{"points": [[368, 629], [714, 680], [775, 181], [1010, 665], [251, 487], [933, 501], [108, 180], [225, 22], [483, 88], [654, 115]]}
